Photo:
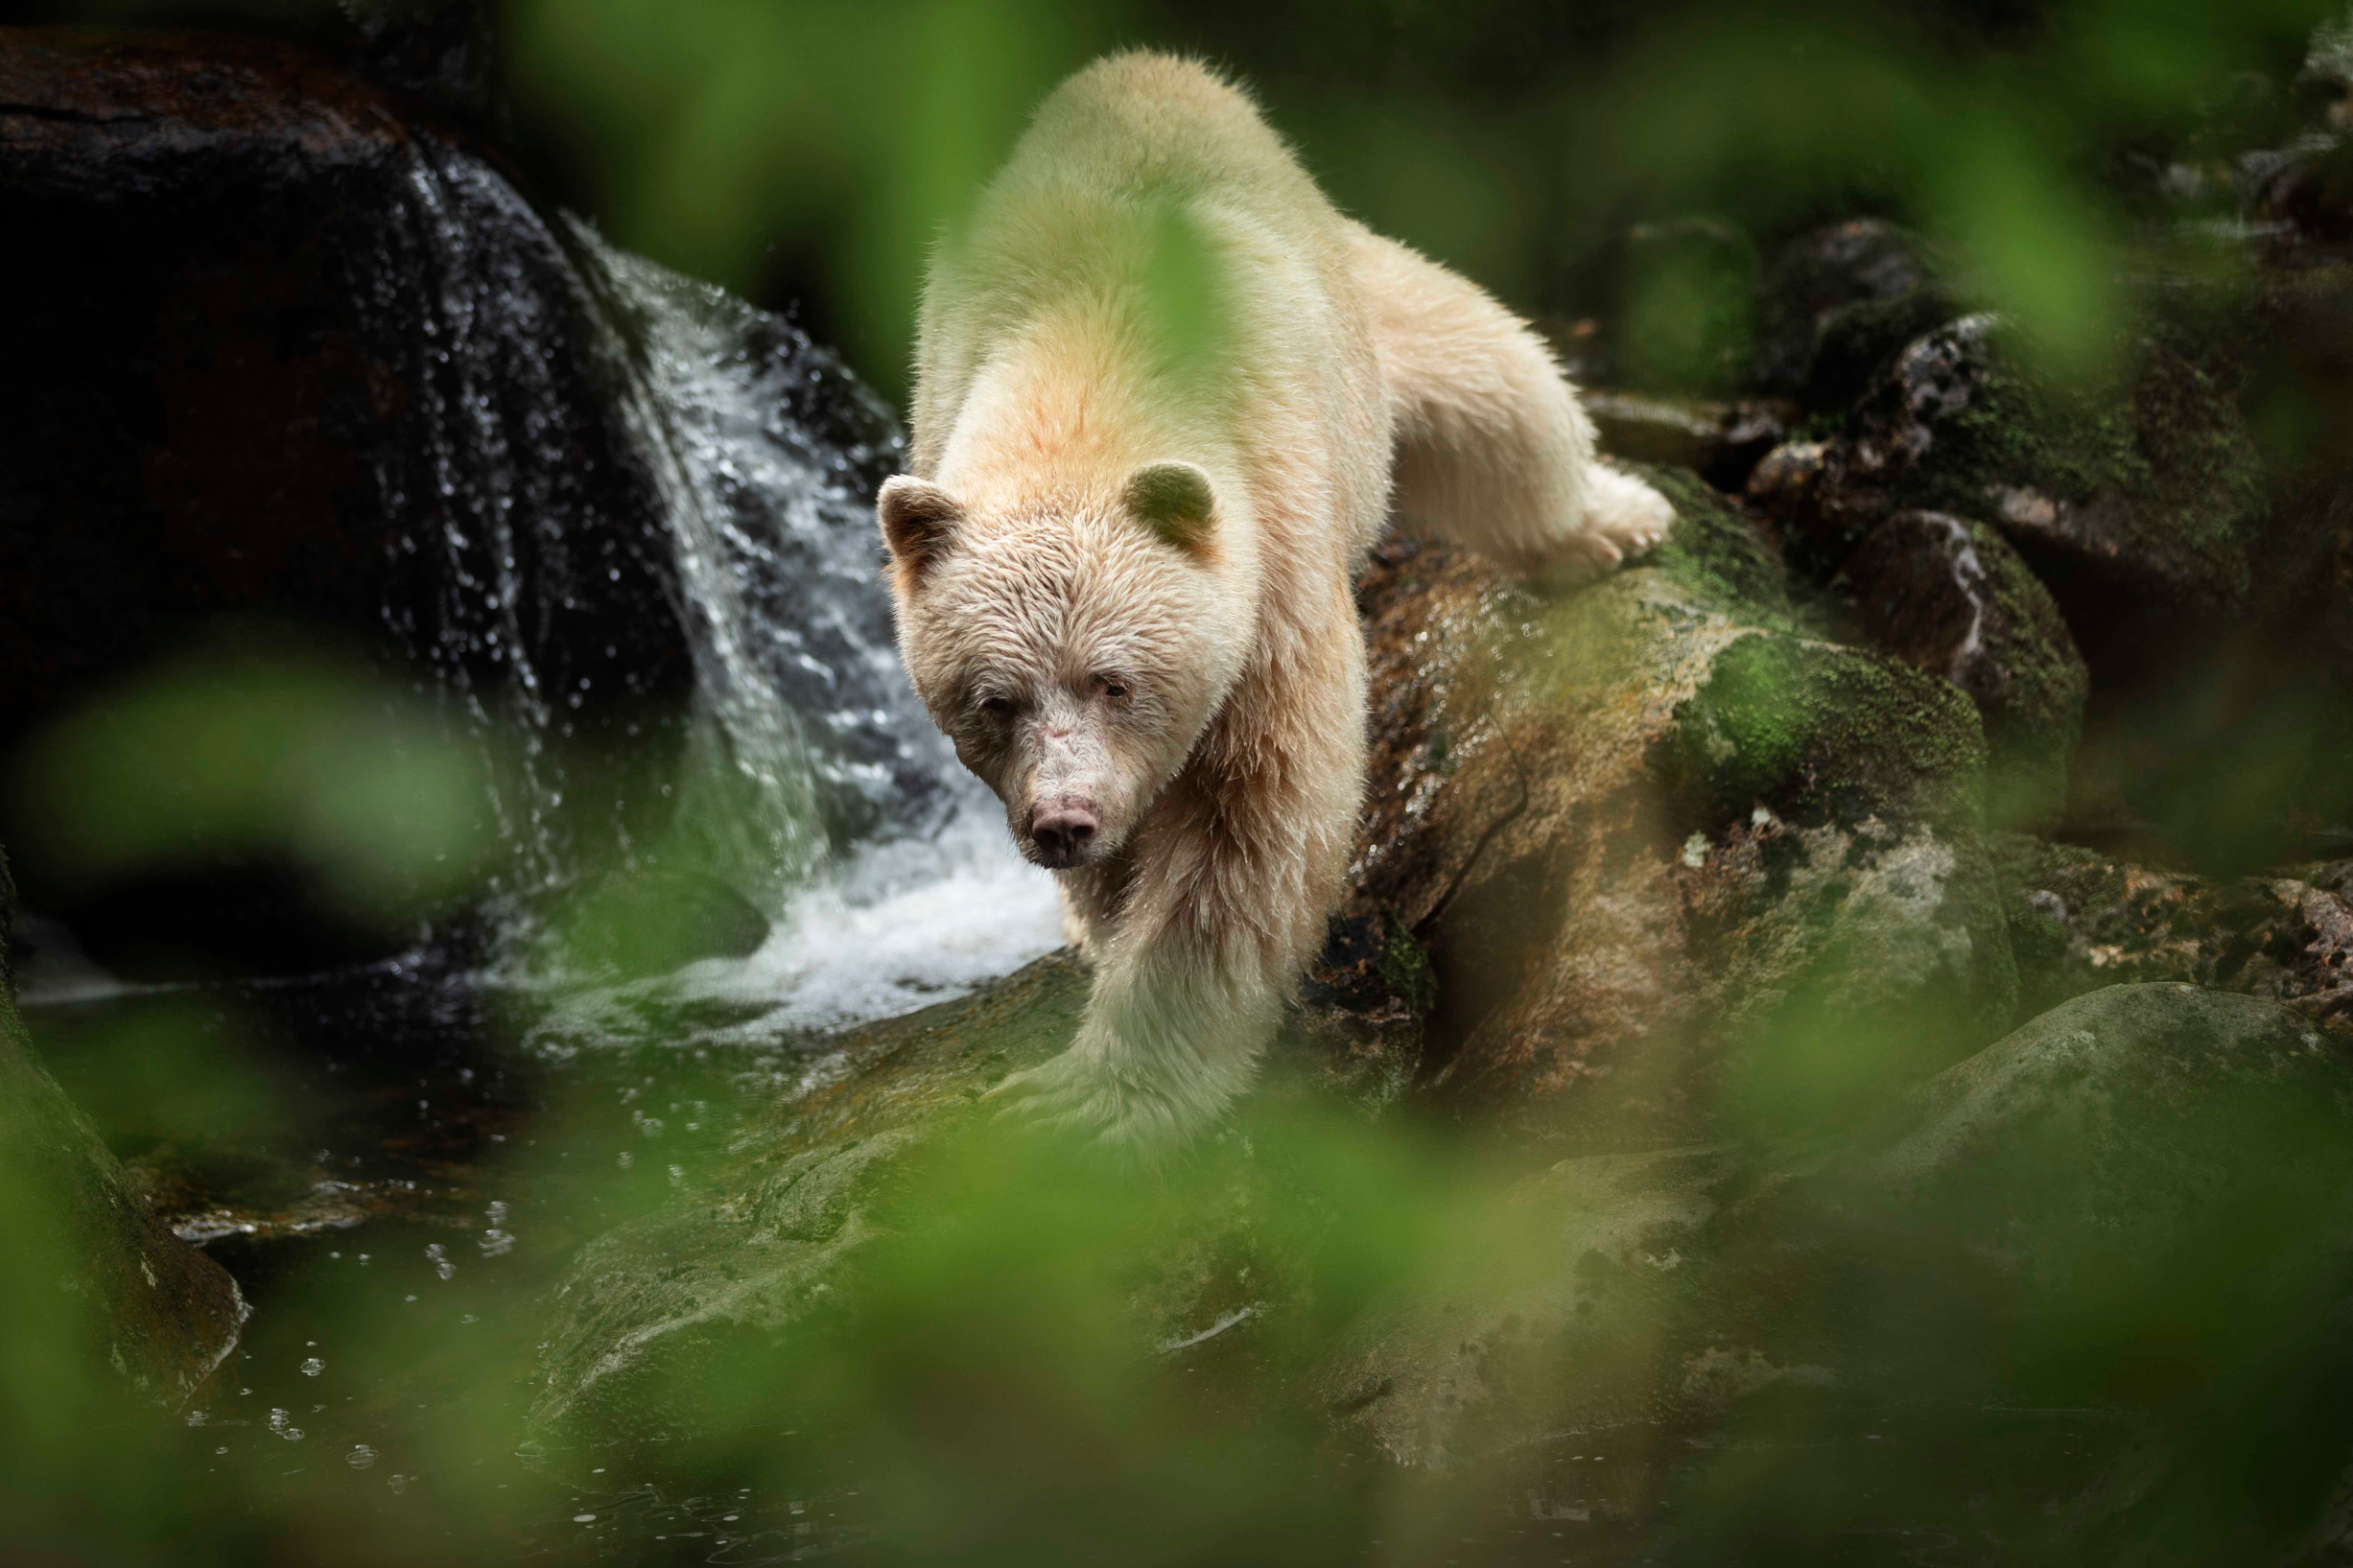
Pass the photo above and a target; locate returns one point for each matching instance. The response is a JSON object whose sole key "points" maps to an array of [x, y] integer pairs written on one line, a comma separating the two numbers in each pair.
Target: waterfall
{"points": [[659, 610]]}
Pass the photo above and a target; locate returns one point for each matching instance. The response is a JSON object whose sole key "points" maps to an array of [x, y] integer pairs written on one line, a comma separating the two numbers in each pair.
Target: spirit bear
{"points": [[1166, 397]]}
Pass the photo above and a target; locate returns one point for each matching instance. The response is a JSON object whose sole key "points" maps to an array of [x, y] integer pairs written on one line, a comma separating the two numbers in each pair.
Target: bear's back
{"points": [[1143, 127], [1081, 217]]}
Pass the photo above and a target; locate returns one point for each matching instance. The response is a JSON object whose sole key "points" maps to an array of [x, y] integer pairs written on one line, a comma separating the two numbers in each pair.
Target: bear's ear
{"points": [[1174, 501], [919, 520]]}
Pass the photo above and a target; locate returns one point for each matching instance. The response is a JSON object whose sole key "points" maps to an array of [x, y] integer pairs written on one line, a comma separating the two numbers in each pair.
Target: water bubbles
{"points": [[195, 1417], [441, 1265], [626, 1159], [495, 1243], [283, 1425], [399, 1482], [313, 1366], [583, 1518], [360, 1457], [495, 1213]]}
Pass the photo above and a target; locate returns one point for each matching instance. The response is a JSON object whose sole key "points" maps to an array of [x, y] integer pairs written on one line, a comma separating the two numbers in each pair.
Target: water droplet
{"points": [[360, 1457], [399, 1482], [313, 1366], [583, 1518]]}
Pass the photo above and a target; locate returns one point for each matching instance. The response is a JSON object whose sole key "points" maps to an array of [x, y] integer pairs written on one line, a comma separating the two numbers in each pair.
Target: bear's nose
{"points": [[1063, 830]]}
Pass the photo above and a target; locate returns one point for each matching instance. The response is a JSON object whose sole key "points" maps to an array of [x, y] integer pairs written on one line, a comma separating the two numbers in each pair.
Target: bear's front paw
{"points": [[1080, 1093]]}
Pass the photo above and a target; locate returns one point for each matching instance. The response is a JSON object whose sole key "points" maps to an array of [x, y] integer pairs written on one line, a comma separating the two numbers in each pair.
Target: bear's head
{"points": [[1072, 645]]}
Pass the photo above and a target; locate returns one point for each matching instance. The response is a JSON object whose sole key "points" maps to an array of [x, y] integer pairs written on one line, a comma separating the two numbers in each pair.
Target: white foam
{"points": [[896, 927], [900, 926]]}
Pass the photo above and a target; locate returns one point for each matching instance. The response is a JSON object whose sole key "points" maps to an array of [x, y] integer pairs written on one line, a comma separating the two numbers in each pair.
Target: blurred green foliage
{"points": [[1514, 140], [287, 750]]}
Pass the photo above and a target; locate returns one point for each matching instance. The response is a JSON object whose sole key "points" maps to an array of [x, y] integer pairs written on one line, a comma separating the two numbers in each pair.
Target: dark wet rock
{"points": [[2082, 919], [158, 1312], [2135, 502], [1710, 1321], [306, 360], [1652, 834], [438, 52], [1950, 595], [1722, 440], [1836, 304]]}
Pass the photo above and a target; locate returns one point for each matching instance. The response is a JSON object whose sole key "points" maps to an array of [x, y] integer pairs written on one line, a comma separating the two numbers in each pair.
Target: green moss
{"points": [[1821, 733], [1406, 970], [1715, 551]]}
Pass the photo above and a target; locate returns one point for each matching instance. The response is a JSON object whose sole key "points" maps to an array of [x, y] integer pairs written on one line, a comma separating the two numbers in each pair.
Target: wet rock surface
{"points": [[160, 1313], [1950, 595], [1837, 303], [1722, 441], [2082, 919], [2135, 504], [269, 391]]}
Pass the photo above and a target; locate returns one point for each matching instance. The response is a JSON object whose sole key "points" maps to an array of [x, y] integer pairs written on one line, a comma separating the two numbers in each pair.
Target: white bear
{"points": [[1166, 399]]}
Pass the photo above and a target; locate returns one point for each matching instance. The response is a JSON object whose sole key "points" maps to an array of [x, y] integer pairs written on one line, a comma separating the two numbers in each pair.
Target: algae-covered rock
{"points": [[1950, 595], [1649, 829], [84, 1258]]}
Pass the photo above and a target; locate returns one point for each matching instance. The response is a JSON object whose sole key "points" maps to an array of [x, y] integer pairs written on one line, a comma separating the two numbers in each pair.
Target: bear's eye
{"points": [[1111, 687], [997, 707]]}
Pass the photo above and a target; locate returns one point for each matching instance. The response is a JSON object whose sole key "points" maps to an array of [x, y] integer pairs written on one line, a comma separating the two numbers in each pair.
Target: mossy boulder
{"points": [[1651, 830], [89, 1271], [1950, 595]]}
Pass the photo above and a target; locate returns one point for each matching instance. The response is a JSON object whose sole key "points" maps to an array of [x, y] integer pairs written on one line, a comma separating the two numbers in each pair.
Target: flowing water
{"points": [[396, 1160]]}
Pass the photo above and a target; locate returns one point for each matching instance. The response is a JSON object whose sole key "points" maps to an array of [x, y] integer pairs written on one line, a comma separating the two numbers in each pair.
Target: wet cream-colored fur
{"points": [[1166, 398]]}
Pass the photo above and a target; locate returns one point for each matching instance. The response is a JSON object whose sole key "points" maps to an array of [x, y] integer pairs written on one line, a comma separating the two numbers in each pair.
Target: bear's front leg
{"points": [[1170, 1037], [1223, 903]]}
